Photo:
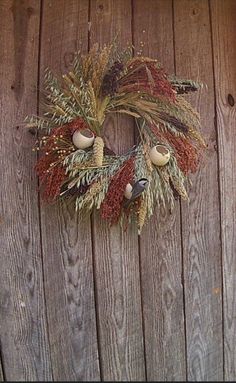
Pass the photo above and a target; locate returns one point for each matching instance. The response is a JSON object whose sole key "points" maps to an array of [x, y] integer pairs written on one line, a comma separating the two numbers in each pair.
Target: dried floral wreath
{"points": [[75, 162]]}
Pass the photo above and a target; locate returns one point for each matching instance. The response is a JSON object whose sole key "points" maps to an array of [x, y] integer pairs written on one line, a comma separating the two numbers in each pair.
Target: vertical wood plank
{"points": [[116, 251], [67, 245], [1, 371], [23, 332], [161, 261], [223, 27], [200, 218]]}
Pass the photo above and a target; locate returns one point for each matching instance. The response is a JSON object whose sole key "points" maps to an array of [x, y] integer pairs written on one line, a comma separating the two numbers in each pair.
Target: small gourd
{"points": [[128, 191], [83, 139], [159, 155]]}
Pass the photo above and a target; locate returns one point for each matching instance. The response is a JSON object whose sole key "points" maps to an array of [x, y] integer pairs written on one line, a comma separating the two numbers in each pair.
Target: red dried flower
{"points": [[56, 146], [112, 204], [144, 76], [51, 176], [187, 154], [77, 124]]}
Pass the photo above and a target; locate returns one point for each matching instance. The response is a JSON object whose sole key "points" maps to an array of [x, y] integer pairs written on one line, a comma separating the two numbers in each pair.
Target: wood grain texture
{"points": [[223, 27], [116, 251], [48, 323], [23, 333], [67, 248], [200, 217], [161, 262], [1, 372]]}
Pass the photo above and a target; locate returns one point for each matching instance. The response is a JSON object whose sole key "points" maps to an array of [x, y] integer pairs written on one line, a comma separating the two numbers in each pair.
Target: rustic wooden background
{"points": [[80, 301]]}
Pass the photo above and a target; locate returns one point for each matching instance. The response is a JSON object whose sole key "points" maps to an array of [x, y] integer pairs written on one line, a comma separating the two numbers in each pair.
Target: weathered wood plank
{"points": [[23, 333], [200, 217], [67, 245], [1, 372], [116, 251], [223, 27], [161, 242]]}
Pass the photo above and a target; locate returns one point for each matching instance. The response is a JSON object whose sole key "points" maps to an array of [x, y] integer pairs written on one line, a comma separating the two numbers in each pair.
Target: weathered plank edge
{"points": [[219, 178], [181, 221], [223, 36], [92, 223], [77, 368], [26, 347], [156, 259], [39, 202], [214, 300], [139, 237], [2, 374], [125, 364]]}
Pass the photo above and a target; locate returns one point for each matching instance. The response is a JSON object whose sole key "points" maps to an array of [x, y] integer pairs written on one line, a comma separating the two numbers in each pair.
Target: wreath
{"points": [[76, 164]]}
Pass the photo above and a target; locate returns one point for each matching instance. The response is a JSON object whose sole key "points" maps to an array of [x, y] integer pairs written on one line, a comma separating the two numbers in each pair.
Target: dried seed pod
{"points": [[197, 136], [142, 212], [146, 151], [94, 189], [164, 173], [110, 80], [98, 148], [179, 187]]}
